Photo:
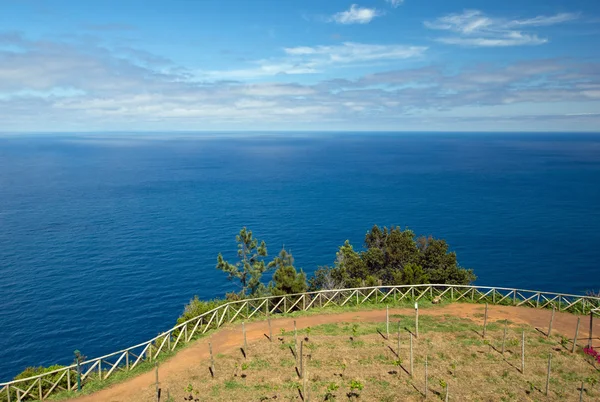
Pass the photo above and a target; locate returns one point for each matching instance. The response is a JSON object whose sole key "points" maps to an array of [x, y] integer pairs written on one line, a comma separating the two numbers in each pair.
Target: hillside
{"points": [[346, 355]]}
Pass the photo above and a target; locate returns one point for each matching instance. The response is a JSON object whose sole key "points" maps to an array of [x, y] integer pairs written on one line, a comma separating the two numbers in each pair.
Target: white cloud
{"points": [[274, 90], [474, 28], [543, 20], [356, 15], [395, 3], [86, 87], [350, 52], [513, 39], [264, 68], [316, 59]]}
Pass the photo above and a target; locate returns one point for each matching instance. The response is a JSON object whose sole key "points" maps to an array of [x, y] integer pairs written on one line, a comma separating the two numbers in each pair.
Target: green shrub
{"points": [[195, 308], [33, 371]]}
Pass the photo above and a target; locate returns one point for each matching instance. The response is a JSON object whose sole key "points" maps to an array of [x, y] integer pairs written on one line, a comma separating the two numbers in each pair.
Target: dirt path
{"points": [[229, 338]]}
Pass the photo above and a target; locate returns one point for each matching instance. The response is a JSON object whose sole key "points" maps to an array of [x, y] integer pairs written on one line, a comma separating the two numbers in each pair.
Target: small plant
{"points": [[244, 366], [282, 331], [356, 385], [443, 384], [531, 387], [564, 341], [398, 362], [354, 330], [332, 387], [190, 389], [308, 329]]}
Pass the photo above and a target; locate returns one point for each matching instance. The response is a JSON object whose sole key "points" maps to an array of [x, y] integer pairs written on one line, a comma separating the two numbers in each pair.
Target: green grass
{"points": [[287, 362], [259, 363], [233, 384]]}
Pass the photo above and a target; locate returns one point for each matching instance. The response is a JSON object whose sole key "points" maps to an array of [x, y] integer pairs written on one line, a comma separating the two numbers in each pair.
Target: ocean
{"points": [[104, 238]]}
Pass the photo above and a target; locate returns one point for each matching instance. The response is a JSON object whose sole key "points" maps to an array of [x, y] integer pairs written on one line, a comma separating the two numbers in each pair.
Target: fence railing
{"points": [[41, 386]]}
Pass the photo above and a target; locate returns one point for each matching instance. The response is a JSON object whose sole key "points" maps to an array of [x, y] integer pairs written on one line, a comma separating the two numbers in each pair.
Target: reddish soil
{"points": [[229, 338]]}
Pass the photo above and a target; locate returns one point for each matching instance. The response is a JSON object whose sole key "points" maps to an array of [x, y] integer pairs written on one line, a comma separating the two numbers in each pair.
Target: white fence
{"points": [[42, 386]]}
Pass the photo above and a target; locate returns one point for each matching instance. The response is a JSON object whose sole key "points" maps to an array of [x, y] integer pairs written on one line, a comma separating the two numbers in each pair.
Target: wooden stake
{"points": [[548, 375], [304, 385], [504, 336], [212, 360], [523, 353], [387, 321], [576, 335], [398, 339], [79, 375], [551, 321], [591, 328], [245, 340], [411, 355], [270, 329], [426, 379], [301, 355], [295, 339], [581, 392], [485, 320], [447, 392], [417, 320]]}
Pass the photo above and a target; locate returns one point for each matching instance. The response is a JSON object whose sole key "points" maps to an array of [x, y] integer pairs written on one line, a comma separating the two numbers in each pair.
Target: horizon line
{"points": [[272, 131]]}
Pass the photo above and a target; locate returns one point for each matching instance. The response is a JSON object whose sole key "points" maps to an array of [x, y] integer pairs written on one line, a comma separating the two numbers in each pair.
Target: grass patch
{"points": [[456, 353]]}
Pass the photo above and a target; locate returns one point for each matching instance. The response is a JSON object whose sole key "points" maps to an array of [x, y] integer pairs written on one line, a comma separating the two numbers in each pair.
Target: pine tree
{"points": [[286, 280], [249, 269]]}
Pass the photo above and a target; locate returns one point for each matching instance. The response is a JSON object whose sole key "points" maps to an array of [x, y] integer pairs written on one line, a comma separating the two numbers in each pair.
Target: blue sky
{"points": [[410, 65]]}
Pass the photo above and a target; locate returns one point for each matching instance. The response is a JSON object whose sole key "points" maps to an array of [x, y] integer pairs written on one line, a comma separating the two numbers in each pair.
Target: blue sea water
{"points": [[103, 239]]}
